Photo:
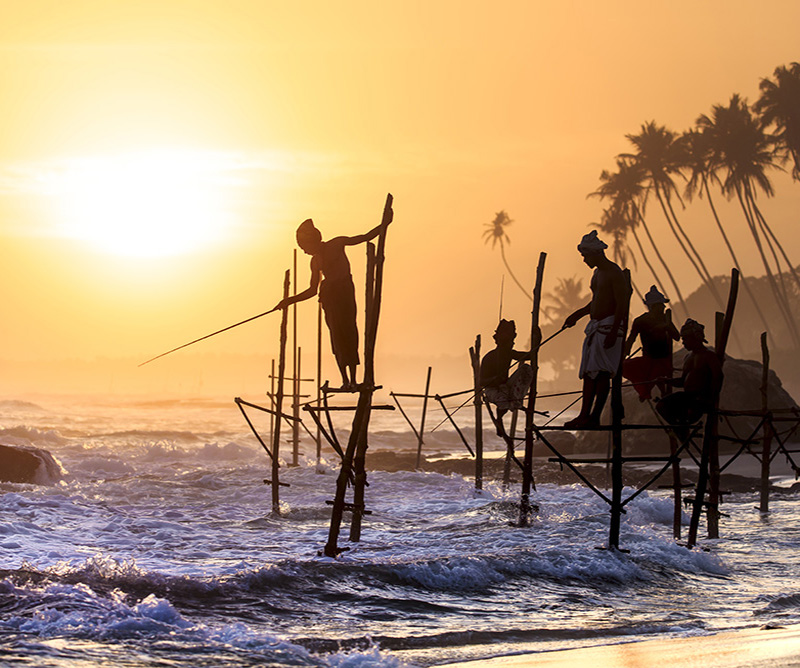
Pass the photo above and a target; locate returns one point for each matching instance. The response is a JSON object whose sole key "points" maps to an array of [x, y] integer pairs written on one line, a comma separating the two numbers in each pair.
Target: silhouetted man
{"points": [[504, 391], [330, 273], [701, 380], [656, 331], [605, 332]]}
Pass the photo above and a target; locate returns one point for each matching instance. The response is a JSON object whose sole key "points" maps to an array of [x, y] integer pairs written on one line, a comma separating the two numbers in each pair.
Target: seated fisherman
{"points": [[701, 380], [656, 331], [504, 391]]}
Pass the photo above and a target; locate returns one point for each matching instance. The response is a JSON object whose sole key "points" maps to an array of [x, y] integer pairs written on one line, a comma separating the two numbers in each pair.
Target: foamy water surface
{"points": [[157, 547]]}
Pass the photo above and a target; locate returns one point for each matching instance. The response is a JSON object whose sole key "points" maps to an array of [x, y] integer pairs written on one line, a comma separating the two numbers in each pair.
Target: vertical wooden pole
{"points": [[475, 357], [422, 422], [766, 446], [276, 436], [617, 413], [710, 439], [512, 432], [295, 372], [361, 426], [677, 490], [318, 438], [272, 399], [527, 463], [358, 435]]}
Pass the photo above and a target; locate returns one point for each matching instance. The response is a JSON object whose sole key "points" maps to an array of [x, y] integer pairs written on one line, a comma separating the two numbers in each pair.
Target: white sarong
{"points": [[596, 358]]}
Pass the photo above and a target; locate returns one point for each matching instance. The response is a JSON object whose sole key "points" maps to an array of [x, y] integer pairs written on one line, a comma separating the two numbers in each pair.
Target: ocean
{"points": [[156, 547]]}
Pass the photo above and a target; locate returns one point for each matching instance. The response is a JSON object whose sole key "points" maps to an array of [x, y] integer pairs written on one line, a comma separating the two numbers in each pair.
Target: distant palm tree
{"points": [[740, 149], [567, 297], [496, 233], [626, 190], [779, 106], [660, 154], [698, 161]]}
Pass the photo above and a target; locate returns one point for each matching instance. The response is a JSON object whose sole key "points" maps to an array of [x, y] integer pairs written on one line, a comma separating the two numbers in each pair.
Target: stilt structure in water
{"points": [[418, 433], [354, 455]]}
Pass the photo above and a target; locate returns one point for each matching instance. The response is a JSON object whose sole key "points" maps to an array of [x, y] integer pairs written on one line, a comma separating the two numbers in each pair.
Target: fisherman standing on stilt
{"points": [[330, 273], [605, 333]]}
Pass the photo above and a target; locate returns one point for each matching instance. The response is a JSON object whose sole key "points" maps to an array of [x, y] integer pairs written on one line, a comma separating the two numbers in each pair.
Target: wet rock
{"points": [[28, 465], [741, 391]]}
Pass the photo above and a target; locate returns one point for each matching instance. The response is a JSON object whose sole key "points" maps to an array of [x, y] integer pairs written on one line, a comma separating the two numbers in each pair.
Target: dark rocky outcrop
{"points": [[741, 391], [28, 465]]}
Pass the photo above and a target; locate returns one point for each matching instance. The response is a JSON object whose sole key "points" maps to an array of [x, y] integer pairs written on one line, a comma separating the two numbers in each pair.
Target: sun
{"points": [[143, 204]]}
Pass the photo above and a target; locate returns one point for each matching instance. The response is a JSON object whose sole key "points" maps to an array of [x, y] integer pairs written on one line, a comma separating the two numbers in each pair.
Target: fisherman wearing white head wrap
{"points": [[656, 331], [605, 333]]}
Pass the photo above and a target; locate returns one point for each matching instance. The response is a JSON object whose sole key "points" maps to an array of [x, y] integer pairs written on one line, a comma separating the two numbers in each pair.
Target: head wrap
{"points": [[653, 296], [693, 327], [505, 328], [307, 232], [591, 244]]}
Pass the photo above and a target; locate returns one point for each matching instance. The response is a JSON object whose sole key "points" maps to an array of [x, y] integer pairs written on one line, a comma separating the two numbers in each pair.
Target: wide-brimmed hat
{"points": [[654, 296]]}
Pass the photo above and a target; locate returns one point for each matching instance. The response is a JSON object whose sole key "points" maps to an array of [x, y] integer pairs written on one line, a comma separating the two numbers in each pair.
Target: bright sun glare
{"points": [[144, 204]]}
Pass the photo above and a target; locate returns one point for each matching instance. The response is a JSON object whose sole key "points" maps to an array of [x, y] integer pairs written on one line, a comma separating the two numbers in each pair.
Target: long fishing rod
{"points": [[207, 336]]}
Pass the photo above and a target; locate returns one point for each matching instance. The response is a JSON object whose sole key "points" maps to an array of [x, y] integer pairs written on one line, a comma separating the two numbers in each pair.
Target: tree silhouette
{"points": [[496, 233], [779, 106], [660, 155], [743, 153]]}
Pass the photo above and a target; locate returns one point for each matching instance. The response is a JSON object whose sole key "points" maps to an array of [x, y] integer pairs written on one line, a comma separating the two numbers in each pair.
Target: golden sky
{"points": [[156, 157]]}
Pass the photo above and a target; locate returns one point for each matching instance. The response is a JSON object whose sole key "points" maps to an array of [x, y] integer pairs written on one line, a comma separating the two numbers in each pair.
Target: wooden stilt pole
{"points": [[475, 357], [527, 462], [295, 371], [357, 444], [422, 422], [510, 449], [766, 447], [677, 490], [318, 438], [708, 475], [276, 436], [617, 414]]}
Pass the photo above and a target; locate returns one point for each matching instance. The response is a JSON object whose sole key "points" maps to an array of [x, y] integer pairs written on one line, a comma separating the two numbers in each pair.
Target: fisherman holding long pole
{"points": [[330, 275]]}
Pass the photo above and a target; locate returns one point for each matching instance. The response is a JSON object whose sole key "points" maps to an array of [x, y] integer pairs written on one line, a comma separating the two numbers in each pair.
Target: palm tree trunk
{"points": [[709, 281], [646, 259], [733, 254], [782, 307], [511, 273], [661, 259], [769, 231], [677, 236]]}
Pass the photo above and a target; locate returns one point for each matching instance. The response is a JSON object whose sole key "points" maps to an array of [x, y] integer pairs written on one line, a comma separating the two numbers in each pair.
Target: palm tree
{"points": [[613, 222], [779, 106], [660, 154], [698, 160], [496, 232], [626, 190], [741, 150]]}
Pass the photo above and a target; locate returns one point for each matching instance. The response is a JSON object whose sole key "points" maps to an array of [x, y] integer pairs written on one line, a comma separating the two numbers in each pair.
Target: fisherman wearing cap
{"points": [[605, 333], [656, 331], [701, 380], [507, 393], [330, 273]]}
